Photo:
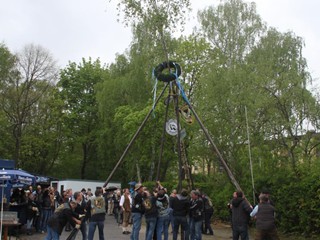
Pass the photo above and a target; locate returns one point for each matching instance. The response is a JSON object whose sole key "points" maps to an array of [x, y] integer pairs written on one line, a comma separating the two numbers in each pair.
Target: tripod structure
{"points": [[184, 167], [174, 92]]}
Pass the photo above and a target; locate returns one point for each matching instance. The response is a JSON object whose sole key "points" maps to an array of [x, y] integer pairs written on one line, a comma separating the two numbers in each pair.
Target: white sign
{"points": [[172, 127]]}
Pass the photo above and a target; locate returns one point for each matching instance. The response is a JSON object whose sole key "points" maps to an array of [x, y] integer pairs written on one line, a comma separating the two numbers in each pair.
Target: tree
{"points": [[43, 138], [287, 107], [159, 18], [233, 28], [28, 76], [78, 87]]}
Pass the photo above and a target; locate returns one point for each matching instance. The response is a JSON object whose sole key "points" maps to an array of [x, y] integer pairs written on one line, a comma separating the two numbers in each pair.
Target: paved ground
{"points": [[114, 232]]}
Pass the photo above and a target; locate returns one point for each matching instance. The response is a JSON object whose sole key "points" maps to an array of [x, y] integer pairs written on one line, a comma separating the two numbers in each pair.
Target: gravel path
{"points": [[114, 232]]}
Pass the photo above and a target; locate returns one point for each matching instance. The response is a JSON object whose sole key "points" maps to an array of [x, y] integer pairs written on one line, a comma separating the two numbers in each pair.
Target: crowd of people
{"points": [[46, 211], [189, 214]]}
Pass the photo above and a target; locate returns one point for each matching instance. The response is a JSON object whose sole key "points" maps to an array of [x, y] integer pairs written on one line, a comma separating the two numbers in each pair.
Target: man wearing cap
{"points": [[137, 211]]}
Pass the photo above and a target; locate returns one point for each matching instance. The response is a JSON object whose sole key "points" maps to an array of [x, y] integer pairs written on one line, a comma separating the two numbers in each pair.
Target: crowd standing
{"points": [[46, 211]]}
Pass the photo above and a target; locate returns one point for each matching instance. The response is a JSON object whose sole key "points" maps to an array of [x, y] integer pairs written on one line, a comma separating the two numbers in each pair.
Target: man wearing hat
{"points": [[137, 211]]}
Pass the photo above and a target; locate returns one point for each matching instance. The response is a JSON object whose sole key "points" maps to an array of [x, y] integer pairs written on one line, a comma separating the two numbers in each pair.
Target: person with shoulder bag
{"points": [[97, 215], [164, 210], [208, 212]]}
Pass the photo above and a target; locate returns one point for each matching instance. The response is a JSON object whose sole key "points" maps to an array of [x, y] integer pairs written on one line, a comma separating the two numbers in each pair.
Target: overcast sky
{"points": [[72, 29]]}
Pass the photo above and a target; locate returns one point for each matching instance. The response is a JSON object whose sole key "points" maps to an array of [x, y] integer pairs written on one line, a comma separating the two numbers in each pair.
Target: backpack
{"points": [[61, 207], [97, 205], [147, 204]]}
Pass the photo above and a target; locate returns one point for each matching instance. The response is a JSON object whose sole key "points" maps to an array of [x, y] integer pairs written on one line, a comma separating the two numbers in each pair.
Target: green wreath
{"points": [[172, 75]]}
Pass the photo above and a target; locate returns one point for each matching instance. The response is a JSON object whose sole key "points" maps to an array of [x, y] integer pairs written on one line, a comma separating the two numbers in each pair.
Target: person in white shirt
{"points": [[125, 205]]}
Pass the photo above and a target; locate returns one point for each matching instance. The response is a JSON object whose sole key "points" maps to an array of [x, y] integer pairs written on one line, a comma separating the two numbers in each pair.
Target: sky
{"points": [[76, 29]]}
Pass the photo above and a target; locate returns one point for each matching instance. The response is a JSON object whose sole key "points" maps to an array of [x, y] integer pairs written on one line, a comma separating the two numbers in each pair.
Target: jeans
{"points": [[92, 229], [163, 227], [29, 224], [51, 234], [195, 229], [171, 219], [45, 215], [83, 230], [183, 221], [136, 225], [150, 227], [240, 231]]}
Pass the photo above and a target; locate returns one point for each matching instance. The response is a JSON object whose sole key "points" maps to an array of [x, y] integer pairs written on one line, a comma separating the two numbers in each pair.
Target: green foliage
{"points": [[158, 14], [296, 201], [78, 86], [26, 78], [43, 138]]}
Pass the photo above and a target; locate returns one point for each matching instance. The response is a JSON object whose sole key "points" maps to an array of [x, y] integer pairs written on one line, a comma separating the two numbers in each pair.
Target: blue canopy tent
{"points": [[13, 178]]}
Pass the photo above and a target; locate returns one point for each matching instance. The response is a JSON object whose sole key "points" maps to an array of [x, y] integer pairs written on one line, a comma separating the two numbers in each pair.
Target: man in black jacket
{"points": [[241, 210], [60, 218], [196, 215], [180, 205], [83, 210], [137, 211]]}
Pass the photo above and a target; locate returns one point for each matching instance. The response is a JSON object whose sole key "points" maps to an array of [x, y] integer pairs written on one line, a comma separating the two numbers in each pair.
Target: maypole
{"points": [[250, 158]]}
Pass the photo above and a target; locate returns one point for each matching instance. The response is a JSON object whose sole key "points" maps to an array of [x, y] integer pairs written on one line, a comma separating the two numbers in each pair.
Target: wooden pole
{"points": [[134, 138]]}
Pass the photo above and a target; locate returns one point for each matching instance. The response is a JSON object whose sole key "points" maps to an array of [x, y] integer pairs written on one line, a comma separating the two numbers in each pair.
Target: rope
{"points": [[154, 90], [183, 94]]}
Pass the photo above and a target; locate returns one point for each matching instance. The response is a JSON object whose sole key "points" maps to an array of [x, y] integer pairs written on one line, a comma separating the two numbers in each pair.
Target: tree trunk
{"points": [[84, 160]]}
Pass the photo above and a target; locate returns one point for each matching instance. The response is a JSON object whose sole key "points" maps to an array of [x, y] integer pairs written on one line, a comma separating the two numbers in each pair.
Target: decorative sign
{"points": [[172, 127]]}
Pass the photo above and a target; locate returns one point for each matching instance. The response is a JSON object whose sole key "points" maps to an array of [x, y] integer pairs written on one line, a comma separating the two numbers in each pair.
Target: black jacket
{"points": [[240, 212], [196, 209], [180, 205], [137, 203], [151, 210]]}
